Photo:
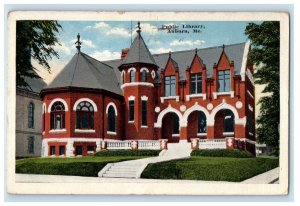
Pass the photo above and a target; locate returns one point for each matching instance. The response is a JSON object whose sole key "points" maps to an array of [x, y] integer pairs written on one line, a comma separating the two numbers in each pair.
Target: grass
{"points": [[210, 168], [81, 166]]}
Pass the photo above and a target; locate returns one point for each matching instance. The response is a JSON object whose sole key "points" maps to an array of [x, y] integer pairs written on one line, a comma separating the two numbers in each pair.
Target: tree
{"points": [[265, 41], [34, 40]]}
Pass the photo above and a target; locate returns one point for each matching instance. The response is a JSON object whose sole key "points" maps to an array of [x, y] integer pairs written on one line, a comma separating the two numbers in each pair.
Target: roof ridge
{"points": [[189, 50], [75, 68]]}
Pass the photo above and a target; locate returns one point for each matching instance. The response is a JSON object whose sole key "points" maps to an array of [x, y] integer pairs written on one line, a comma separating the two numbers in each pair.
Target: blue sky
{"points": [[104, 40]]}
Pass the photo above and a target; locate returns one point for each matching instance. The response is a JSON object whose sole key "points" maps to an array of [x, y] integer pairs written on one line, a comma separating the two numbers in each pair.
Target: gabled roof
{"points": [[87, 72], [209, 56], [139, 52]]}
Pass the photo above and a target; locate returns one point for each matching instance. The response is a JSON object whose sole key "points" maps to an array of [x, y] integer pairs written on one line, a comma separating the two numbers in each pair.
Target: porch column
{"points": [[183, 133], [210, 132]]}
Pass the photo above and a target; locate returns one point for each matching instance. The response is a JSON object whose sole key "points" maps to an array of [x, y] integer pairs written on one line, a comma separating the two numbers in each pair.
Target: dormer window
{"points": [[170, 86], [224, 81], [196, 83], [132, 76], [144, 76]]}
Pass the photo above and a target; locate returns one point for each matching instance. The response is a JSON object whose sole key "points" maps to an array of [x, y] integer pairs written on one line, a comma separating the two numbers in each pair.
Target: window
{"points": [[62, 150], [144, 76], [175, 123], [111, 119], [85, 115], [31, 145], [52, 150], [57, 116], [201, 122], [31, 115], [78, 150], [224, 81], [228, 121], [144, 113], [196, 83], [170, 86], [131, 110], [132, 76], [90, 148]]}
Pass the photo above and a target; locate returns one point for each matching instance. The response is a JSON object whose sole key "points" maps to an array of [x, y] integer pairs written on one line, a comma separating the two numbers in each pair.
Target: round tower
{"points": [[138, 73]]}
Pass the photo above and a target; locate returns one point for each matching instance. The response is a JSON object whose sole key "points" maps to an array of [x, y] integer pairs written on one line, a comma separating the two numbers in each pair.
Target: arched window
{"points": [[57, 116], [144, 76], [31, 115], [111, 119], [132, 76], [85, 116]]}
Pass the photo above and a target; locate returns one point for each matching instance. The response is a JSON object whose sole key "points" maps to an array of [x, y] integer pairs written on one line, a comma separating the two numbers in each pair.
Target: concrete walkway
{"points": [[134, 168], [270, 177]]}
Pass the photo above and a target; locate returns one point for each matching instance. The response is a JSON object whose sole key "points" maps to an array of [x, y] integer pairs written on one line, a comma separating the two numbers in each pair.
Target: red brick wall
{"points": [[84, 147], [56, 145]]}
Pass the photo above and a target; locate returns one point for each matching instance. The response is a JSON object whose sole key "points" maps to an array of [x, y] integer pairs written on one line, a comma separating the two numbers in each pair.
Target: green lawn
{"points": [[80, 166], [210, 168]]}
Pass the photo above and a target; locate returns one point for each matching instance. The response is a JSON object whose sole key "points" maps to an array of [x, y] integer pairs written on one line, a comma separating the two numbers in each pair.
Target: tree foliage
{"points": [[265, 39], [34, 40]]}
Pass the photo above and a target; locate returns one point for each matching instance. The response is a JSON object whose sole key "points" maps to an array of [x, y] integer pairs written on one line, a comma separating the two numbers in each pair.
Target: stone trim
{"points": [[144, 69], [85, 131], [113, 105], [162, 99], [216, 94], [249, 93], [245, 59], [57, 131], [190, 96], [160, 116], [130, 84], [131, 69]]}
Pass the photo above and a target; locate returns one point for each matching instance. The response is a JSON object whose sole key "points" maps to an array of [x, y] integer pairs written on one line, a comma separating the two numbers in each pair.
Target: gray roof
{"points": [[184, 59], [85, 71], [34, 84], [139, 52]]}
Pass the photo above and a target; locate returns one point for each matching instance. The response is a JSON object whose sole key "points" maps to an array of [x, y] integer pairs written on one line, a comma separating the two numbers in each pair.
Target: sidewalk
{"points": [[270, 177]]}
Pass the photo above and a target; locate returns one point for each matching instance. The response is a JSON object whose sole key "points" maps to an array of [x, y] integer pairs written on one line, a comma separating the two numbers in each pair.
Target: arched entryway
{"points": [[196, 126], [224, 124], [170, 127]]}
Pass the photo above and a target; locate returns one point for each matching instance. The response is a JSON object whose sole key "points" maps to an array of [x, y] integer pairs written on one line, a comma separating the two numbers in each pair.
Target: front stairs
{"points": [[134, 168]]}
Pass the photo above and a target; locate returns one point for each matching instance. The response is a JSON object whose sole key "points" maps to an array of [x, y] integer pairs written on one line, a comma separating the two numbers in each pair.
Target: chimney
{"points": [[124, 53]]}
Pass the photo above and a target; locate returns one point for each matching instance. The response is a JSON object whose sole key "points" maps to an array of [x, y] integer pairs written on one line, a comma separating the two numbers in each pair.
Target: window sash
{"points": [[31, 145], [111, 119], [131, 110], [62, 150], [144, 113], [132, 76], [84, 120], [144, 76], [170, 86], [30, 115], [224, 81], [196, 83], [54, 124]]}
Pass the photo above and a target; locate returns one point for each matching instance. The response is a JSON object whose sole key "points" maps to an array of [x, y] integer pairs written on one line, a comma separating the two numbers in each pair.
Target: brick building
{"points": [[204, 96]]}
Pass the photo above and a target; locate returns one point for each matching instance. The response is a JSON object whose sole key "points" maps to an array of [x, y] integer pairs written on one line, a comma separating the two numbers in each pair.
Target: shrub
{"points": [[111, 153], [222, 153], [210, 168]]}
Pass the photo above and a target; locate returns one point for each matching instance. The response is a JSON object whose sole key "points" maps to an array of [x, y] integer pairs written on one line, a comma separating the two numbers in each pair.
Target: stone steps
{"points": [[134, 168]]}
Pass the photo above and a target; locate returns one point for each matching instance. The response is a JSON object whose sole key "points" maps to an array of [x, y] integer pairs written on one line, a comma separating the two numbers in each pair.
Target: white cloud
{"points": [[105, 55], [63, 48], [177, 42], [148, 28], [118, 31], [98, 26], [161, 50], [85, 43]]}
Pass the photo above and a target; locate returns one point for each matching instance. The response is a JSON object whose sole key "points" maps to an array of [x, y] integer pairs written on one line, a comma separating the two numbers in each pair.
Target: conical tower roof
{"points": [[139, 52]]}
